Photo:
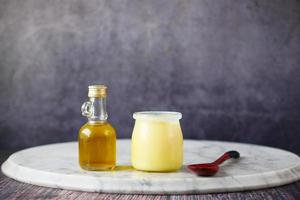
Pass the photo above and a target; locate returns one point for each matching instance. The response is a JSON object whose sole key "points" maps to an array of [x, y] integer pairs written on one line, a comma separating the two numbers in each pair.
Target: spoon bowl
{"points": [[205, 169]]}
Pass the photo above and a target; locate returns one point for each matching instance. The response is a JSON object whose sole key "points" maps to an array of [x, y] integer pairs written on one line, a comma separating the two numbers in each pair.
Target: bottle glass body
{"points": [[97, 138]]}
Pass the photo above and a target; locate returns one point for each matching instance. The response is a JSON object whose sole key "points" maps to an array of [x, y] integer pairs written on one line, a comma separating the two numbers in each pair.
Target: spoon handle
{"points": [[226, 156]]}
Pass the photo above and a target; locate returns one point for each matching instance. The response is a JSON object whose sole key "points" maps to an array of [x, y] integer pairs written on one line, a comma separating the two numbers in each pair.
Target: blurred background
{"points": [[231, 67]]}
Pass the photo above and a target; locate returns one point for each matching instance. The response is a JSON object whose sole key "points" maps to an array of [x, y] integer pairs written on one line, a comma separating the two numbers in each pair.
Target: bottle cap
{"points": [[97, 91]]}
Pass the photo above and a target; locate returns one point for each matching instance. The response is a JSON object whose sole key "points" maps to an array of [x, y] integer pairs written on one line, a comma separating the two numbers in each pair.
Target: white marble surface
{"points": [[57, 166]]}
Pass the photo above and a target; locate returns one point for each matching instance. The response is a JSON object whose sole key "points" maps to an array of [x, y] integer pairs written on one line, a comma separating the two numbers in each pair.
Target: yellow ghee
{"points": [[157, 141]]}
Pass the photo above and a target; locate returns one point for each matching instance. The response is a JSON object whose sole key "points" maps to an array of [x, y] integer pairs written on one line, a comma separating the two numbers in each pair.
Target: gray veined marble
{"points": [[56, 166]]}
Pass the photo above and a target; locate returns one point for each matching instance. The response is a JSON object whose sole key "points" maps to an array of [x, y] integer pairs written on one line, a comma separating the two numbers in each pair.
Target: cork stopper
{"points": [[97, 91]]}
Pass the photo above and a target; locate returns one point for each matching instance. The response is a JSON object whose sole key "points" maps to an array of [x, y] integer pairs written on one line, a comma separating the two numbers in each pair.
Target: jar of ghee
{"points": [[157, 141]]}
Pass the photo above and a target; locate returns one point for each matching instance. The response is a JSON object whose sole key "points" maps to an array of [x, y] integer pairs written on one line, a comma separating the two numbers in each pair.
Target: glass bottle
{"points": [[97, 138]]}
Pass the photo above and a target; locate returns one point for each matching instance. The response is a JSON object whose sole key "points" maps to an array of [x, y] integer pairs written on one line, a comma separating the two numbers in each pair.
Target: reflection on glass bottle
{"points": [[97, 138]]}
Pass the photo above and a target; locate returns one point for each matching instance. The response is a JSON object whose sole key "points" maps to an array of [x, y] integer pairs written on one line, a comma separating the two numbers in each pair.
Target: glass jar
{"points": [[157, 141], [97, 138]]}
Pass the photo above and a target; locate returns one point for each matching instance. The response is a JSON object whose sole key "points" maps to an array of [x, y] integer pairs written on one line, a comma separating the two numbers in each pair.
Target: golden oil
{"points": [[97, 146], [97, 138]]}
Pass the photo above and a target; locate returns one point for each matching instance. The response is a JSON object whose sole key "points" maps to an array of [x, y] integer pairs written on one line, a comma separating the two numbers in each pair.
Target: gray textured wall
{"points": [[231, 67]]}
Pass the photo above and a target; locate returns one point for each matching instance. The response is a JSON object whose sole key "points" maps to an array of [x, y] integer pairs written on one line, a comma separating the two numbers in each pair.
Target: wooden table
{"points": [[11, 189]]}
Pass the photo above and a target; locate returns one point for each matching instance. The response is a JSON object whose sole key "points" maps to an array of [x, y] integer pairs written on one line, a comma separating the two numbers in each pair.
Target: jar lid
{"points": [[97, 91], [158, 115]]}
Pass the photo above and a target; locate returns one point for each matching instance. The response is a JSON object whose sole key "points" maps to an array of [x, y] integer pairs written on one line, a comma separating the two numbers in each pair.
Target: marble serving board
{"points": [[56, 166]]}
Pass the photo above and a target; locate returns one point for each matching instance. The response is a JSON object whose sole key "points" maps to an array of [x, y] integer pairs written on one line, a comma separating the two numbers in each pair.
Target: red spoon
{"points": [[210, 169]]}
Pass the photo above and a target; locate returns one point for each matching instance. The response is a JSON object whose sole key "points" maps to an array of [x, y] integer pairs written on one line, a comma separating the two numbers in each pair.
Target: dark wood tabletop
{"points": [[11, 189]]}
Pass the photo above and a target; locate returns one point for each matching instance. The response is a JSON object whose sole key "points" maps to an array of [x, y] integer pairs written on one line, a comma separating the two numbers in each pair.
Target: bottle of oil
{"points": [[97, 138]]}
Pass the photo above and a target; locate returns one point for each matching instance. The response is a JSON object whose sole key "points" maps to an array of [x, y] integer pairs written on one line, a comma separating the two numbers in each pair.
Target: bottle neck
{"points": [[96, 110]]}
